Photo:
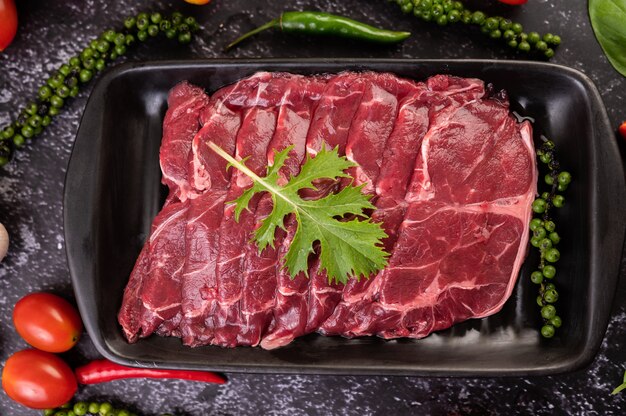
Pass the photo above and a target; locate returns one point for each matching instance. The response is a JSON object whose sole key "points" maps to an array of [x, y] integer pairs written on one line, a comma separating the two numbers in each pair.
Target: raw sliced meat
{"points": [[220, 122], [158, 294], [372, 125], [397, 164], [253, 139], [425, 106], [329, 127], [138, 317], [130, 314], [164, 272], [451, 173], [382, 126], [180, 125], [333, 113], [486, 129], [286, 295], [449, 289], [363, 126], [260, 276], [199, 284]]}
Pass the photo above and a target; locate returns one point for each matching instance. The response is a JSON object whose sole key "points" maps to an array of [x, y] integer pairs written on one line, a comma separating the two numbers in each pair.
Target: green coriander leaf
{"points": [[242, 203], [350, 246]]}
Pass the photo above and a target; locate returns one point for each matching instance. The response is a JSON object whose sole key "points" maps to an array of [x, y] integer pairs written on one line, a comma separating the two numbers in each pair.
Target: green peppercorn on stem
{"points": [[92, 408], [544, 236], [445, 12], [81, 69]]}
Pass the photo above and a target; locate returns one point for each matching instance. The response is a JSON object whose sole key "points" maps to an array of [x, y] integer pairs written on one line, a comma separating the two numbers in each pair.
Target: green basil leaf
{"points": [[608, 19]]}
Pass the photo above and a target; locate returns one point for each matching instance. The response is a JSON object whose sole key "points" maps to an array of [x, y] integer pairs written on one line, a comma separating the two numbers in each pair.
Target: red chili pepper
{"points": [[101, 371], [513, 2], [622, 129]]}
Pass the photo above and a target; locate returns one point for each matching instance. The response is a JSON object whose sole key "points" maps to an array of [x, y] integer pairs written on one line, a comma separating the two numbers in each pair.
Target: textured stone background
{"points": [[30, 206]]}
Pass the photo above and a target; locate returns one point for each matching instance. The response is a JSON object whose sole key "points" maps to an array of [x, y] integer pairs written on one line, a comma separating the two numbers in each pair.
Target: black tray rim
{"points": [[602, 311]]}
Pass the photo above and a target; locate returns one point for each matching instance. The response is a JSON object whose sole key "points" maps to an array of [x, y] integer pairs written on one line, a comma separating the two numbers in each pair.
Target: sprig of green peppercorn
{"points": [[445, 12], [84, 408], [545, 237], [67, 79], [92, 408]]}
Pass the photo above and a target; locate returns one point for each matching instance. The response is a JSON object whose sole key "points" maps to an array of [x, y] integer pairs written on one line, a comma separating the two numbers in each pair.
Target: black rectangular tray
{"points": [[113, 191]]}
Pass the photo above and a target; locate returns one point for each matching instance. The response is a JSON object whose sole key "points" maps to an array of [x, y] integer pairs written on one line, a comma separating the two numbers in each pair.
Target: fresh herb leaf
{"points": [[349, 248], [608, 19], [621, 386]]}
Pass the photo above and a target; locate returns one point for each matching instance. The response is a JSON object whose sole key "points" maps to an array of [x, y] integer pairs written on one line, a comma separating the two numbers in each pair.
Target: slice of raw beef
{"points": [[372, 125], [181, 123], [142, 311], [161, 289]]}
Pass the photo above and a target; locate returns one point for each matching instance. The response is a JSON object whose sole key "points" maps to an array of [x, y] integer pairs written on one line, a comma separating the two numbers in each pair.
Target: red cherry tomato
{"points": [[8, 23], [38, 379], [47, 322], [622, 130], [513, 2]]}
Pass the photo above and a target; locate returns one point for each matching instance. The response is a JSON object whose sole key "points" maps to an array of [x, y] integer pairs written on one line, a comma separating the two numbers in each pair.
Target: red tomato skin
{"points": [[47, 322], [622, 130], [8, 23], [513, 2], [38, 379]]}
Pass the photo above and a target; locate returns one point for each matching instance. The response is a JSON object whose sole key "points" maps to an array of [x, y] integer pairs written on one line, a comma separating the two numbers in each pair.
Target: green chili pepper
{"points": [[318, 23]]}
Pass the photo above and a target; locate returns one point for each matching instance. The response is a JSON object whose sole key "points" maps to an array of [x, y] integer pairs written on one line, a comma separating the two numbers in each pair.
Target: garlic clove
{"points": [[4, 241]]}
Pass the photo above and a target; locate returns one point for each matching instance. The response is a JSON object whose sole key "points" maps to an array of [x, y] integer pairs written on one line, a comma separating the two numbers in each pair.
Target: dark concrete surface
{"points": [[31, 188]]}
